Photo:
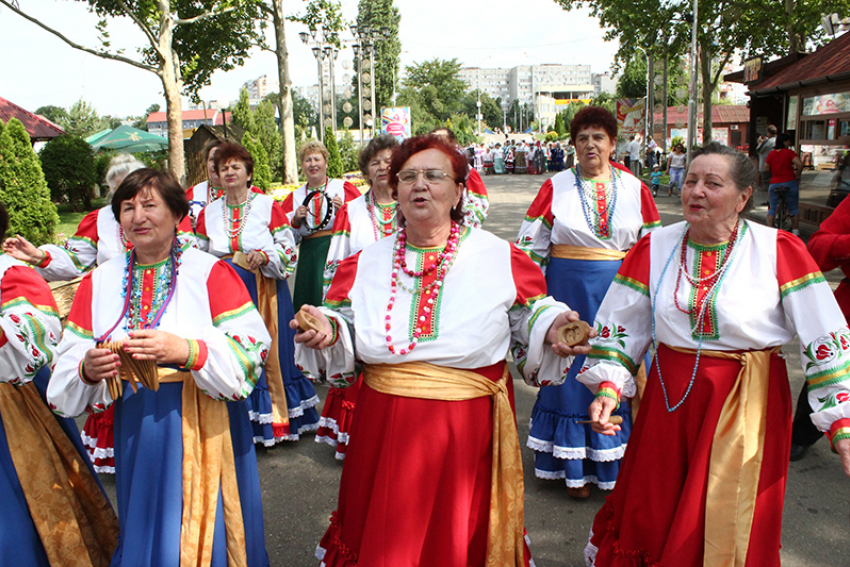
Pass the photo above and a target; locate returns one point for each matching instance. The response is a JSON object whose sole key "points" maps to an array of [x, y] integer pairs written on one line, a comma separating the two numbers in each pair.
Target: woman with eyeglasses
{"points": [[433, 473], [577, 230], [311, 210], [358, 224]]}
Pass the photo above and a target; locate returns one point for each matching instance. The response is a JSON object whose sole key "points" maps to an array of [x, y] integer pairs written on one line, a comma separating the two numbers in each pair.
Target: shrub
{"points": [[23, 189], [335, 169], [262, 171], [69, 169]]}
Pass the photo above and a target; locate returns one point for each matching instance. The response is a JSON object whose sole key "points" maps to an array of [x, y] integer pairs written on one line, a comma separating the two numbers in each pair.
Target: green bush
{"points": [[335, 169], [262, 171], [23, 189], [552, 136], [69, 169], [349, 152]]}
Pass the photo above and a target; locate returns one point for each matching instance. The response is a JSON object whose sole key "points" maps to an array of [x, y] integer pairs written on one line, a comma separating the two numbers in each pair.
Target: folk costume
{"points": [[54, 509], [577, 230], [476, 201], [282, 405], [434, 423], [202, 194], [195, 427], [703, 479], [99, 238], [314, 235]]}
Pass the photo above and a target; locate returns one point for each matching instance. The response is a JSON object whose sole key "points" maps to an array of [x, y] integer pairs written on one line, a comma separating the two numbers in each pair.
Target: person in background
{"points": [[655, 179], [313, 221], [765, 146], [676, 162], [498, 159], [785, 168], [633, 148], [651, 149], [476, 202], [578, 230]]}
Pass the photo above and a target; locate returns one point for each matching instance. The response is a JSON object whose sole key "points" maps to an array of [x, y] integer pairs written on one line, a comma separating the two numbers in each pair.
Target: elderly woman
{"points": [[187, 315], [578, 230], [498, 159], [676, 162], [311, 210], [358, 224], [98, 238], [254, 227], [703, 479], [433, 475], [54, 510]]}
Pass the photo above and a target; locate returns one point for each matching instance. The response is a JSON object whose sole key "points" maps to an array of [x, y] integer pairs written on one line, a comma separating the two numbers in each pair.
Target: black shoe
{"points": [[798, 452]]}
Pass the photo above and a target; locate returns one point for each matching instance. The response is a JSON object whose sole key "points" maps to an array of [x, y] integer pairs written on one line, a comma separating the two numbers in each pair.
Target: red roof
{"points": [[821, 66], [191, 115], [720, 114], [37, 127]]}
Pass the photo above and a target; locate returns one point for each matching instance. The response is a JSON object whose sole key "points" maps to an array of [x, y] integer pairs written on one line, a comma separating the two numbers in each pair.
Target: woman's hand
{"points": [[256, 259], [314, 339], [337, 201], [300, 215], [600, 410], [22, 249], [99, 364], [561, 349], [159, 346]]}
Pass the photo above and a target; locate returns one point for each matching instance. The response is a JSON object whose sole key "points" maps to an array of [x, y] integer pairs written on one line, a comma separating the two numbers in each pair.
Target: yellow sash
{"points": [[737, 452], [267, 306], [427, 381], [72, 516], [566, 252], [318, 234], [208, 463]]}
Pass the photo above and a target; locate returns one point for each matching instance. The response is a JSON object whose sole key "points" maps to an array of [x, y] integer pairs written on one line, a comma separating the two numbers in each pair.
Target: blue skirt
{"points": [[20, 544], [148, 478], [563, 448], [301, 397]]}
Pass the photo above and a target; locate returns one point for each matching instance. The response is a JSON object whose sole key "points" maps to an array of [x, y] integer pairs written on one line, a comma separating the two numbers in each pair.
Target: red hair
{"points": [[594, 116]]}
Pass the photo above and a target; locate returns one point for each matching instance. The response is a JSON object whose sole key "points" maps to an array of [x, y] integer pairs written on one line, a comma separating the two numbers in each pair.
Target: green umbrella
{"points": [[95, 137], [130, 140]]}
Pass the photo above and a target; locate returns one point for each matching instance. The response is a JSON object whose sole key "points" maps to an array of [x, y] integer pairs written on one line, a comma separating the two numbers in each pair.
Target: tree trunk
{"points": [[289, 164], [171, 84], [793, 38], [707, 92]]}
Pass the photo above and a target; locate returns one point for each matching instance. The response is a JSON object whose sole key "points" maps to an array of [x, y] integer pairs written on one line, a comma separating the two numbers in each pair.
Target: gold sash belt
{"points": [[318, 234], [267, 306], [208, 463], [72, 516], [566, 252], [737, 452], [505, 543]]}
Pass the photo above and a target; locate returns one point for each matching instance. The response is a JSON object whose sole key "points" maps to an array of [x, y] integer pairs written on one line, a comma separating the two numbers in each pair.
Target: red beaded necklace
{"points": [[444, 261], [710, 280]]}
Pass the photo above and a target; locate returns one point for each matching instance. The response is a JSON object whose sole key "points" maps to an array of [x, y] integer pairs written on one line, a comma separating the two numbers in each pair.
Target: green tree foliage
{"points": [[349, 151], [303, 113], [492, 114], [335, 169], [242, 114], [83, 121], [69, 169], [55, 114], [434, 92], [188, 40], [262, 172], [380, 14], [559, 127], [23, 189], [260, 123]]}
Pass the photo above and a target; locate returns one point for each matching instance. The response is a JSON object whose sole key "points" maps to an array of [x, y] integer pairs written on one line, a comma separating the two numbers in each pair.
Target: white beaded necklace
{"points": [[242, 220]]}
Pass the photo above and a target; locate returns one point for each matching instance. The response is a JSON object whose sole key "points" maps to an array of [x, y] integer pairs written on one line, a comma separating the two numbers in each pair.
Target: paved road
{"points": [[300, 481]]}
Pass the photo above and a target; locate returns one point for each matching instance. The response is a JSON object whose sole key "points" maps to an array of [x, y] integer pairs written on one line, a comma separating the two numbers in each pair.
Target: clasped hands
{"points": [[146, 344]]}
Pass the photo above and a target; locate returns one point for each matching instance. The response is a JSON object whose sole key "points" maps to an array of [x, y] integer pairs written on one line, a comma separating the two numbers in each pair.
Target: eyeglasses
{"points": [[409, 176]]}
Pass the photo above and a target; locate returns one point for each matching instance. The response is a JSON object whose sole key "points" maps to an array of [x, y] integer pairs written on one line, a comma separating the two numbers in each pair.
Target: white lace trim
{"points": [[528, 543], [339, 456], [104, 470], [329, 423], [562, 475], [99, 453], [574, 453], [262, 418], [325, 439], [590, 552], [320, 554], [90, 442]]}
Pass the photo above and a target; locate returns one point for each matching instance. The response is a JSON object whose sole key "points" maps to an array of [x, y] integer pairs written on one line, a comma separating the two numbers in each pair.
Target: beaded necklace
{"points": [[122, 240], [380, 227], [713, 278], [602, 227], [243, 220], [699, 320], [445, 260]]}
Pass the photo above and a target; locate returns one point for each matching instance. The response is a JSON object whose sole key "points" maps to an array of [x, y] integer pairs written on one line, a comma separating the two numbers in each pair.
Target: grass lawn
{"points": [[69, 220]]}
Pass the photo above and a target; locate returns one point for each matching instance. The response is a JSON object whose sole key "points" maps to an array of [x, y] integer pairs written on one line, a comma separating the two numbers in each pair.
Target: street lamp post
{"points": [[646, 106], [364, 45], [322, 47], [692, 104]]}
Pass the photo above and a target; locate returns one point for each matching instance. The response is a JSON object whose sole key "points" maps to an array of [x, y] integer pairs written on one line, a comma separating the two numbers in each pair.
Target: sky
{"points": [[40, 69]]}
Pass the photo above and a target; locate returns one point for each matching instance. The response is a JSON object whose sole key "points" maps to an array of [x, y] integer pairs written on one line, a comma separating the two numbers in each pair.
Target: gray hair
{"points": [[741, 168], [119, 167]]}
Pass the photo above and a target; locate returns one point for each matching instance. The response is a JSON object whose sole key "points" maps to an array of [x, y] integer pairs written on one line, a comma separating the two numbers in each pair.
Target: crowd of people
{"points": [[655, 351]]}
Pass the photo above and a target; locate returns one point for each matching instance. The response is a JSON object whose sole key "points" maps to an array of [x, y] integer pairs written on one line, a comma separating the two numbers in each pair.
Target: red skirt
{"points": [[337, 417], [415, 488], [98, 439], [656, 514]]}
